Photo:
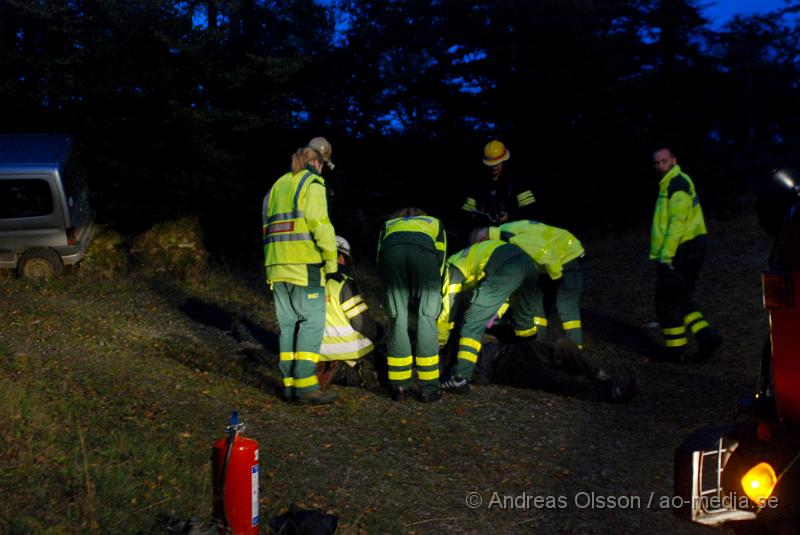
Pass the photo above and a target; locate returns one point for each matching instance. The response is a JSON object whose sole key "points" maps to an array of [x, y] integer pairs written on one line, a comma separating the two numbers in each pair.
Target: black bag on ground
{"points": [[298, 521]]}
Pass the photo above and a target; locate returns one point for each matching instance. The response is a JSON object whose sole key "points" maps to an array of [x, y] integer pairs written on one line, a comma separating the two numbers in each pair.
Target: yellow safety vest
{"points": [[417, 225], [290, 236], [341, 341]]}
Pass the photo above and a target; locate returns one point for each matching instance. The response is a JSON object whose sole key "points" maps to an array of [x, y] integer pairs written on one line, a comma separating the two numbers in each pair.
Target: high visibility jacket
{"points": [[464, 271], [296, 229], [678, 216], [341, 341], [549, 247], [415, 230]]}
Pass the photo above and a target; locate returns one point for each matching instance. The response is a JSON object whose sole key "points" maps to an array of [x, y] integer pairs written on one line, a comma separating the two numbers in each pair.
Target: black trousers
{"points": [[675, 287]]}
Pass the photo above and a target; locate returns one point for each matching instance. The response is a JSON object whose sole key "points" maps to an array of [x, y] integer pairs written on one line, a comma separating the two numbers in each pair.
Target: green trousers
{"points": [[562, 296], [301, 317], [514, 280], [411, 275]]}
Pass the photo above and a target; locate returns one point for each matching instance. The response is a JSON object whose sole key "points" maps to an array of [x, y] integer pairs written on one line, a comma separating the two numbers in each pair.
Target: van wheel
{"points": [[40, 264]]}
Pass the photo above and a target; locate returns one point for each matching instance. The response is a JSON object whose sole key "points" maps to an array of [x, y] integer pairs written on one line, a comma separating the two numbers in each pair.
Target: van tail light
{"points": [[72, 236], [778, 292]]}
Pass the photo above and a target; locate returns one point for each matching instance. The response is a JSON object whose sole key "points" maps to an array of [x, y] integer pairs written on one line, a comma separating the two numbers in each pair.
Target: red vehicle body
{"points": [[747, 474]]}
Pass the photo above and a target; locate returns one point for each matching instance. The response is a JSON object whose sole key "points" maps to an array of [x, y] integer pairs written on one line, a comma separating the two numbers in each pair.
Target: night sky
{"points": [[722, 10]]}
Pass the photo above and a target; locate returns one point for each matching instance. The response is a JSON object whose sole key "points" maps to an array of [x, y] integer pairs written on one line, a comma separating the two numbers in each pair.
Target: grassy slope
{"points": [[111, 394]]}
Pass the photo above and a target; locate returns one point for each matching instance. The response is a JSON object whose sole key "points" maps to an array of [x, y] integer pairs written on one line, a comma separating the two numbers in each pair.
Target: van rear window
{"points": [[25, 198], [74, 178]]}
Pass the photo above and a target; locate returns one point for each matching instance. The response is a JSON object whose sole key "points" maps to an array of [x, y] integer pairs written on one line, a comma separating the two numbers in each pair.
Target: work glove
{"points": [[338, 276]]}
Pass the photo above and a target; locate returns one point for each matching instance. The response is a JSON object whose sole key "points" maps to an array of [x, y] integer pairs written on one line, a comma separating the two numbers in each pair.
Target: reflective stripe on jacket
{"points": [[550, 247], [296, 228], [341, 341], [678, 216]]}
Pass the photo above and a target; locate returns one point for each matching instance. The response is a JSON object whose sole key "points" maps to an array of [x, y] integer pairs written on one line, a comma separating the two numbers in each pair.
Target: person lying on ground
{"points": [[557, 366]]}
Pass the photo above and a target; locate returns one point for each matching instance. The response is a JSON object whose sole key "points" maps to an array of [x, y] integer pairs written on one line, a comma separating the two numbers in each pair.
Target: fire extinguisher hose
{"points": [[224, 475]]}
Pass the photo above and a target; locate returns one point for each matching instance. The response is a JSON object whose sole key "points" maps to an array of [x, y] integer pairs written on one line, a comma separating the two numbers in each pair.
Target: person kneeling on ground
{"points": [[558, 366], [496, 271], [347, 354]]}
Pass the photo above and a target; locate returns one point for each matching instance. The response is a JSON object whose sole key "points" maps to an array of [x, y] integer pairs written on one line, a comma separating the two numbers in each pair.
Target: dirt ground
{"points": [[502, 460]]}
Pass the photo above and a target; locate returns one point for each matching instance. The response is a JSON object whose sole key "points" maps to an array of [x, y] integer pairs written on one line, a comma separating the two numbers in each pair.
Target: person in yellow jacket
{"points": [[411, 252], [496, 272], [678, 243], [299, 254], [347, 353], [558, 253]]}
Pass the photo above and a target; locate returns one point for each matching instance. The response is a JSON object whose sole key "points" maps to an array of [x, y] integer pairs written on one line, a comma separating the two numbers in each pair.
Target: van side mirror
{"points": [[777, 194]]}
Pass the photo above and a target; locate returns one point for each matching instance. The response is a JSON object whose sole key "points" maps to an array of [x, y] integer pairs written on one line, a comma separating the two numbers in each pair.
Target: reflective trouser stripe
{"points": [[692, 316], [468, 350], [427, 368], [400, 369], [526, 333], [695, 322], [396, 362], [304, 355], [503, 309], [538, 321], [573, 331], [469, 343], [674, 336], [285, 364], [304, 372], [306, 382], [428, 376], [427, 361], [468, 355]]}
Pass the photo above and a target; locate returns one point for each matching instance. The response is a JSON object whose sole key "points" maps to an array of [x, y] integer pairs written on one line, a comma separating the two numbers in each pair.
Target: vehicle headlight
{"points": [[759, 482]]}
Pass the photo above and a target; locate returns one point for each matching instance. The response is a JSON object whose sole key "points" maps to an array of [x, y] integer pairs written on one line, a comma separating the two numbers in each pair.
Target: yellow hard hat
{"points": [[495, 152]]}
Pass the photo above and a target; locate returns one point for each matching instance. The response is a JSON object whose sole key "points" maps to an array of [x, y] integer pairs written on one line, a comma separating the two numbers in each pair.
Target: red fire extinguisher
{"points": [[234, 462]]}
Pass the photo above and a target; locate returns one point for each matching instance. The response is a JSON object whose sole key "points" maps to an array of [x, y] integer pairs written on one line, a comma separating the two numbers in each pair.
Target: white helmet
{"points": [[342, 245]]}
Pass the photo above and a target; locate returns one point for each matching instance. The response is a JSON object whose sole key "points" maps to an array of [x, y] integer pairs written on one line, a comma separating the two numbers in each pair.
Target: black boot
{"points": [[430, 396], [399, 393], [623, 393], [708, 341]]}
